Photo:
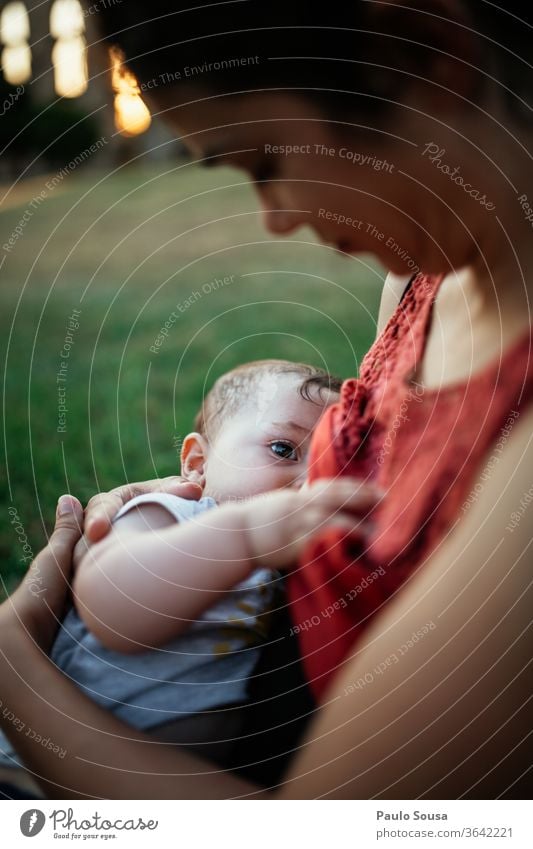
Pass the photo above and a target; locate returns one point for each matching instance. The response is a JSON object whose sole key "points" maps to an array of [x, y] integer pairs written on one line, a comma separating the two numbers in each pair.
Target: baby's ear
{"points": [[193, 457]]}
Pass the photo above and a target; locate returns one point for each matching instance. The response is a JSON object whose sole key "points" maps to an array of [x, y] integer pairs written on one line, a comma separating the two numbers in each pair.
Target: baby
{"points": [[172, 606]]}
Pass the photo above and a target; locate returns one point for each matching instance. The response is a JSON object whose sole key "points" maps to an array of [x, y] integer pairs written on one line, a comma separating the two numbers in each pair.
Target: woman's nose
{"points": [[277, 201]]}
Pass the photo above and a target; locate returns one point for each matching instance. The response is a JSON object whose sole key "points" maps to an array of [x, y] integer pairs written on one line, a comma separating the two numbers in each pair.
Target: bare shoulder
{"points": [[434, 702], [393, 289]]}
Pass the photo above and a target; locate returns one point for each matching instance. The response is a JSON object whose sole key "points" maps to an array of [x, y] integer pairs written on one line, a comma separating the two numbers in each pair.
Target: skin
{"points": [[418, 749], [264, 446], [483, 308], [150, 577], [450, 720]]}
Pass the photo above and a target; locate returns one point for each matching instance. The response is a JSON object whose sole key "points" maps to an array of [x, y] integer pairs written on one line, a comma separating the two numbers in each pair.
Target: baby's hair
{"points": [[234, 390]]}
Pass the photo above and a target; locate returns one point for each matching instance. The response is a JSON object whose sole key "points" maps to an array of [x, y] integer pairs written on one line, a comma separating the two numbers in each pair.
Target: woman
{"points": [[403, 131]]}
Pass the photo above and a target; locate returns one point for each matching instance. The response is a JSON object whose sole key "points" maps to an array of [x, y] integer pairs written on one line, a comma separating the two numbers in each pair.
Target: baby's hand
{"points": [[280, 524]]}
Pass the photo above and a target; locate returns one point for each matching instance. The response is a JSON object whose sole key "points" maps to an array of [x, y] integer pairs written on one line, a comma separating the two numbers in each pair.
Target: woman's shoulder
{"points": [[513, 472]]}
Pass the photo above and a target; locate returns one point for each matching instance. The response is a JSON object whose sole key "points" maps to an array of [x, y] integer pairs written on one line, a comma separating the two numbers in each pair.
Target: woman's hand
{"points": [[280, 524], [103, 507], [38, 604]]}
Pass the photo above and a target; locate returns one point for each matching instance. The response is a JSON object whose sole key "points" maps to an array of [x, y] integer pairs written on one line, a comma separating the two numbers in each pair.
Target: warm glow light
{"points": [[66, 19], [70, 67], [16, 64], [68, 54], [14, 24], [14, 31], [132, 116]]}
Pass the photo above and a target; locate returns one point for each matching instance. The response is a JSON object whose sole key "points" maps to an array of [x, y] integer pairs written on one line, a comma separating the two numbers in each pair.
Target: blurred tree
{"points": [[62, 130], [52, 133]]}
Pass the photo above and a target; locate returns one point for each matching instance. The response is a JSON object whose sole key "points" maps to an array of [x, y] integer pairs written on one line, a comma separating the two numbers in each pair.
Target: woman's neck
{"points": [[475, 321]]}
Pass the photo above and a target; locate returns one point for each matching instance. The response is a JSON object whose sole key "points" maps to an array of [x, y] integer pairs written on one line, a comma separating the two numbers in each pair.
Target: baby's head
{"points": [[253, 431]]}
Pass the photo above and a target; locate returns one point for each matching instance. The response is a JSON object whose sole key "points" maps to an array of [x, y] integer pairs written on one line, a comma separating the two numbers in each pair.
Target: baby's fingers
{"points": [[349, 528], [357, 529], [349, 494]]}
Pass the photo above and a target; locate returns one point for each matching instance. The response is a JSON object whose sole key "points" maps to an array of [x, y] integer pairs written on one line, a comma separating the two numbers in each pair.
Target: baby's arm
{"points": [[150, 577], [145, 582]]}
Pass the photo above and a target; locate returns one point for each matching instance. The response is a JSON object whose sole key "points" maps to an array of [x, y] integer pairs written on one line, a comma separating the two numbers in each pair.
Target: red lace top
{"points": [[426, 447]]}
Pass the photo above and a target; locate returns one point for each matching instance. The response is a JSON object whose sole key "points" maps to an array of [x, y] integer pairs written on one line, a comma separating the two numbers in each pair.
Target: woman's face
{"points": [[359, 189]]}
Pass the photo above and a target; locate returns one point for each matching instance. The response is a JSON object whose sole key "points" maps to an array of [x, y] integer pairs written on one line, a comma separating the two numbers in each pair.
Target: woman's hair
{"points": [[354, 56]]}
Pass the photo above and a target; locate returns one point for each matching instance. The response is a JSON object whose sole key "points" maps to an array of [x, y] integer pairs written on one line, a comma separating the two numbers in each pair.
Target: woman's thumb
{"points": [[69, 515]]}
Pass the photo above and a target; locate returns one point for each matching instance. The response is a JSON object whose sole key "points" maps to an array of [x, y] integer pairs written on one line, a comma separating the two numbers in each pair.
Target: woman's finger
{"points": [[100, 511], [39, 601], [103, 507], [67, 531]]}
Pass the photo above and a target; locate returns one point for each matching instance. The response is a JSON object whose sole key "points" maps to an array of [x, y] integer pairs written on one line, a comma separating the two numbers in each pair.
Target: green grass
{"points": [[126, 250]]}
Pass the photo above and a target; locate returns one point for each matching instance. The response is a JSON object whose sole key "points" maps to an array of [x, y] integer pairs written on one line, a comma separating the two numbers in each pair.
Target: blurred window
{"points": [[14, 35]]}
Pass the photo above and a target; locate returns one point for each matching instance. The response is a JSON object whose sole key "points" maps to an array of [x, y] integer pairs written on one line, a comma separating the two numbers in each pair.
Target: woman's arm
{"points": [[100, 757], [145, 583]]}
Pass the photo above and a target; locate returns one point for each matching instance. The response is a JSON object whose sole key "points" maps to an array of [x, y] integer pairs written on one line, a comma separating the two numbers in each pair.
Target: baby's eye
{"points": [[284, 450]]}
